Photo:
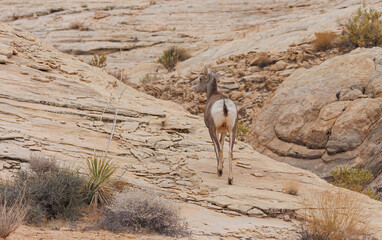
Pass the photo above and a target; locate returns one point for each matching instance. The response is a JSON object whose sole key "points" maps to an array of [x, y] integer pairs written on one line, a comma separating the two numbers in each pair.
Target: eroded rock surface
{"points": [[142, 29], [54, 104], [325, 116]]}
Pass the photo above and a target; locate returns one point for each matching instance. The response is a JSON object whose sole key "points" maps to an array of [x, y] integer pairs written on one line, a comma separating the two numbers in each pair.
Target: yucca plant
{"points": [[99, 187]]}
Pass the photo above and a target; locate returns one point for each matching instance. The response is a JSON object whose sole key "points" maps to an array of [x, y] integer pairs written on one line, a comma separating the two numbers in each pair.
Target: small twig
{"points": [[113, 126]]}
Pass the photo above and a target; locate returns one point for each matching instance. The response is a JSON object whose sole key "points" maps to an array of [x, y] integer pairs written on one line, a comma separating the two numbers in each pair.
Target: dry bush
{"points": [[143, 212], [118, 74], [291, 187], [98, 60], [77, 26], [354, 179], [363, 29], [172, 56], [334, 216], [12, 215], [51, 192], [40, 164], [324, 40], [149, 78]]}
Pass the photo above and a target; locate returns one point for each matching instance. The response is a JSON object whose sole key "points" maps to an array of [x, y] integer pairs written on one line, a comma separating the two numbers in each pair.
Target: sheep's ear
{"points": [[205, 71]]}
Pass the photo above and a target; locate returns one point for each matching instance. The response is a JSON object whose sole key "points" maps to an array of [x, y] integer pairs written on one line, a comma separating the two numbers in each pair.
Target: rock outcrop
{"points": [[54, 104], [326, 116]]}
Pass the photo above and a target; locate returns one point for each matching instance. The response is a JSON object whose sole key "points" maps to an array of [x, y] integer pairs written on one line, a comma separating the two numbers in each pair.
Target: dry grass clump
{"points": [[98, 60], [324, 40], [76, 26], [334, 216], [12, 215], [291, 187], [142, 212], [363, 29], [149, 78], [354, 179], [41, 164], [241, 128], [99, 187], [172, 56]]}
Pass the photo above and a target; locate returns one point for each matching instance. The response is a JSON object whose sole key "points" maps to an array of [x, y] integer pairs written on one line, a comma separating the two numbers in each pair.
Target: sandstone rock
{"points": [[100, 15], [6, 50], [3, 59], [256, 78], [323, 110], [278, 66], [235, 95]]}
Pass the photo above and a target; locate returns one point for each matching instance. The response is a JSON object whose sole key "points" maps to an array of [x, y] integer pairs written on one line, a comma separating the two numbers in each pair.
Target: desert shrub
{"points": [[363, 29], [172, 56], [40, 164], [139, 212], [353, 179], [99, 188], [291, 187], [98, 60], [12, 215], [149, 78], [333, 216], [241, 128], [324, 40], [51, 192], [76, 26]]}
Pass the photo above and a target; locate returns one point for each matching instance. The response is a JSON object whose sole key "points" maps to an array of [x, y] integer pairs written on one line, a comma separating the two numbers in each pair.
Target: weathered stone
{"points": [[3, 59], [278, 66], [323, 109], [99, 15]]}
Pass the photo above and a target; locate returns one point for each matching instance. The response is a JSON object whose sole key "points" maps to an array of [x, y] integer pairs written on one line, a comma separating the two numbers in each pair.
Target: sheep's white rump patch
{"points": [[220, 120]]}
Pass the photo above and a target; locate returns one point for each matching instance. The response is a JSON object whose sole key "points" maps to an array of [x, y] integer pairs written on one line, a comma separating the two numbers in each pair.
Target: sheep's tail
{"points": [[225, 109]]}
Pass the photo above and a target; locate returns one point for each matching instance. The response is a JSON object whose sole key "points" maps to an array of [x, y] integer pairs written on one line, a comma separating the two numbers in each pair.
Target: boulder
{"points": [[331, 113]]}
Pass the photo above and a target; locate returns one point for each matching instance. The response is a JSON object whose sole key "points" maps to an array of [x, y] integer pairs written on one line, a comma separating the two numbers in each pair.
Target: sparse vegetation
{"points": [[139, 212], [77, 26], [291, 187], [99, 187], [354, 179], [51, 191], [363, 29], [41, 164], [241, 128], [324, 40], [149, 78], [12, 215], [172, 56], [333, 216], [98, 60]]}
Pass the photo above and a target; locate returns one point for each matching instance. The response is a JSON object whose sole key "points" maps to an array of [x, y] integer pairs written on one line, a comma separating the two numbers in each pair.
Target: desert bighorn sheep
{"points": [[220, 117]]}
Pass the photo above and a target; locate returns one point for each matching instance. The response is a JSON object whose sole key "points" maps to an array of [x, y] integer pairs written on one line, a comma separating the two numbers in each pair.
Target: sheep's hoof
{"points": [[220, 172], [230, 180]]}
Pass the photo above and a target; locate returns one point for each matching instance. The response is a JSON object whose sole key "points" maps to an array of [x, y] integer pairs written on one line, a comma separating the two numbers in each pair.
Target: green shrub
{"points": [[363, 29], [353, 179], [241, 128], [98, 60], [99, 188], [172, 56], [143, 212]]}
